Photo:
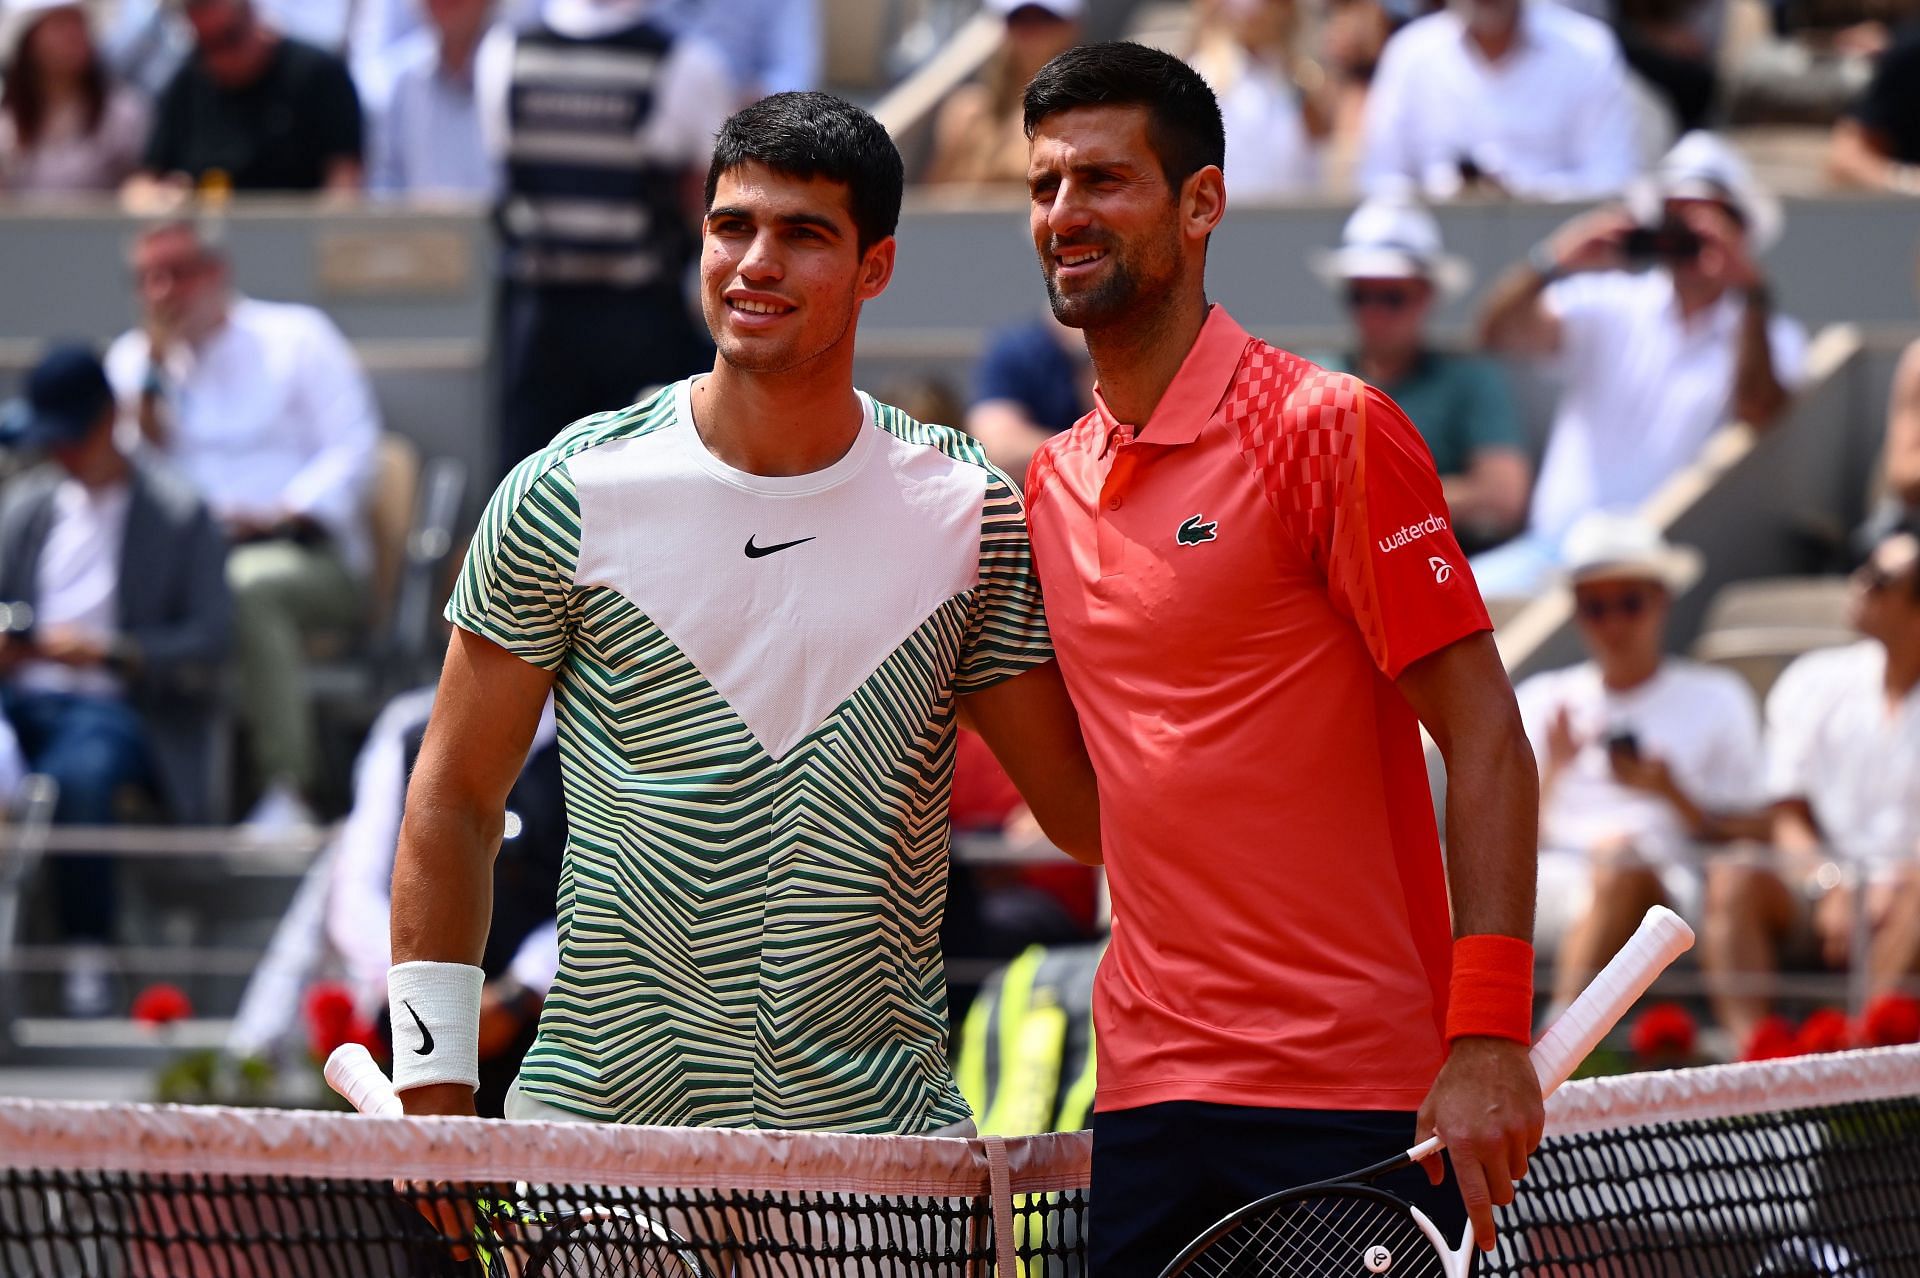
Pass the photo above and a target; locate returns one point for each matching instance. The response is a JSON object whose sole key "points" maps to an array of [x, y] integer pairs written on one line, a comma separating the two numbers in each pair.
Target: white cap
{"points": [[1605, 546], [1069, 10], [1392, 237], [1704, 166], [18, 15]]}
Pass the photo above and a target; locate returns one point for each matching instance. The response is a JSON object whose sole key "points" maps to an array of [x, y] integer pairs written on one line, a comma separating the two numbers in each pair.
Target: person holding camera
{"points": [[1644, 758], [1661, 321]]}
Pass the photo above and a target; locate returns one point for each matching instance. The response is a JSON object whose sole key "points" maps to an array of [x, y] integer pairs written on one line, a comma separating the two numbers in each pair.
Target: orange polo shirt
{"points": [[1231, 595]]}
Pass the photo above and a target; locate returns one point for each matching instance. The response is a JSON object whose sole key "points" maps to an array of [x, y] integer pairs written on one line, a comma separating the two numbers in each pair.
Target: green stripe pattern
{"points": [[744, 941]]}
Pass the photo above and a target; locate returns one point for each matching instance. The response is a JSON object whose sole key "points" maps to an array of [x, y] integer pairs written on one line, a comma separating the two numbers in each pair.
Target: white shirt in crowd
{"points": [[273, 412], [1269, 151], [696, 89], [1641, 390], [1553, 119], [425, 137], [1833, 741], [771, 46], [1701, 721], [78, 582]]}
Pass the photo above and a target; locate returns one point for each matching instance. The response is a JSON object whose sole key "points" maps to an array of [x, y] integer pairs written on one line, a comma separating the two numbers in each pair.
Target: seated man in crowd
{"points": [[120, 569], [1391, 268], [1516, 97], [1643, 757], [1034, 382], [263, 112], [265, 408], [1652, 359], [1843, 771], [1876, 144]]}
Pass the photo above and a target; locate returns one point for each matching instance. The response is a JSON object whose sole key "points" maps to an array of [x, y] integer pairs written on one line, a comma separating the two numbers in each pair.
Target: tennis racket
{"points": [[1346, 1226], [514, 1238]]}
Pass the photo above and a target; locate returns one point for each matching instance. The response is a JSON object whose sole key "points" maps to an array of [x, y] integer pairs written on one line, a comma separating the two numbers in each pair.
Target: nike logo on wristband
{"points": [[426, 1035]]}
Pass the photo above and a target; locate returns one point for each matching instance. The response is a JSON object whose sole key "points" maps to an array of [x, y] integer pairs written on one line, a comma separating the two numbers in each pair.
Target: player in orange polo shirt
{"points": [[1257, 600]]}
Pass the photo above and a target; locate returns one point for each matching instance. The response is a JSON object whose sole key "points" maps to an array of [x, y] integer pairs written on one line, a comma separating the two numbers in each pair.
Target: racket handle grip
{"points": [[352, 1072], [1662, 937]]}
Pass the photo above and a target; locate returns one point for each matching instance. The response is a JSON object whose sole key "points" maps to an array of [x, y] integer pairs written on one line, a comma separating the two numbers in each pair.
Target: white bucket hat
{"points": [[1068, 10], [1391, 238], [18, 15], [1704, 166], [1605, 546]]}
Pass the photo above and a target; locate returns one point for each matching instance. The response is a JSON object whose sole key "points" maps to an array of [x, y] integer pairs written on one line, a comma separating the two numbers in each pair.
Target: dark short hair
{"points": [[1183, 116], [809, 135]]}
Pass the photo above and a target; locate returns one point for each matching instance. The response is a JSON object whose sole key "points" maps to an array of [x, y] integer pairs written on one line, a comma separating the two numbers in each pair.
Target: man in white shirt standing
{"points": [[1519, 97], [1651, 360], [265, 409], [1644, 758], [1843, 771]]}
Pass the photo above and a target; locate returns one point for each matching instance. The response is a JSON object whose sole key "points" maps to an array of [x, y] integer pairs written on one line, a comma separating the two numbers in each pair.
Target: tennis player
{"points": [[1257, 598], [760, 599]]}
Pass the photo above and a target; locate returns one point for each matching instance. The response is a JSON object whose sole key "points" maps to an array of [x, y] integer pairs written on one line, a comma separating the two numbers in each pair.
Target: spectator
{"points": [[1518, 97], [1034, 382], [426, 134], [596, 222], [771, 46], [1900, 461], [64, 125], [1651, 360], [1843, 770], [1643, 757], [118, 564], [1276, 101], [255, 111], [1876, 144], [1391, 268], [265, 408], [978, 137]]}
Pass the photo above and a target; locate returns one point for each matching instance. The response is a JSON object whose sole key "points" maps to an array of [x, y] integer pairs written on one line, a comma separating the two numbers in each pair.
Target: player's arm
{"points": [[1486, 1101], [1030, 725], [483, 722]]}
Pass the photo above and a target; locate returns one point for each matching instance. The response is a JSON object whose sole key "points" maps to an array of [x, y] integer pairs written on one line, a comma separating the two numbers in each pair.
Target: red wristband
{"points": [[1492, 992]]}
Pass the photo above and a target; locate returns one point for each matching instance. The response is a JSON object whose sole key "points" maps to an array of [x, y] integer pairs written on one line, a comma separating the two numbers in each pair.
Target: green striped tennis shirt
{"points": [[754, 682]]}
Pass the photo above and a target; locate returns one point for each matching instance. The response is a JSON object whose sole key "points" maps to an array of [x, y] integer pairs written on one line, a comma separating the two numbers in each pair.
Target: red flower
{"points": [[330, 1019], [1771, 1039], [1889, 1020], [161, 1004], [1664, 1032], [1825, 1031]]}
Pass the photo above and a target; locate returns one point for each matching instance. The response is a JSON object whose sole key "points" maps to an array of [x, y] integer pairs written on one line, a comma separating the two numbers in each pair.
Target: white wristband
{"points": [[435, 1009]]}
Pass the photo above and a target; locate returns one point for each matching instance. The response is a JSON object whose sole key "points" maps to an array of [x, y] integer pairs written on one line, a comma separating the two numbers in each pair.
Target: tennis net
{"points": [[1781, 1170]]}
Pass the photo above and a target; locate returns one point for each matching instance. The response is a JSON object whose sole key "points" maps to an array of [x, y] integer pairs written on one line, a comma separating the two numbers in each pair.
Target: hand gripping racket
{"points": [[1346, 1226], [516, 1240]]}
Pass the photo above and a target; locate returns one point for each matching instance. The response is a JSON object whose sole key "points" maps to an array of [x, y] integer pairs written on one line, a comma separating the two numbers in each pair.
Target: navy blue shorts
{"points": [[1163, 1174]]}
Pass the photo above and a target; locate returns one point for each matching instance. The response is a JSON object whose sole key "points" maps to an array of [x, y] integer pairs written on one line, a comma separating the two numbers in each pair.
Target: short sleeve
{"points": [[1356, 487], [1734, 773], [516, 587], [1487, 407], [1003, 372], [337, 112], [1892, 97], [1787, 344], [1007, 629]]}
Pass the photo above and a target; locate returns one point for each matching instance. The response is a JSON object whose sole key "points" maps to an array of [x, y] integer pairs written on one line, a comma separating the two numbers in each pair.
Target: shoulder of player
{"points": [[1294, 392], [960, 448], [548, 467]]}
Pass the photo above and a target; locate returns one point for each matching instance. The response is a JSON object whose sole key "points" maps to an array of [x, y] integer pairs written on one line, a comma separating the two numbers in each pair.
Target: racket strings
{"points": [[1323, 1236]]}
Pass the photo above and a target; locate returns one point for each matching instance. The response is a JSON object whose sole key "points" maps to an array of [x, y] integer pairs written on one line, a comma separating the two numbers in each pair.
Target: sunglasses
{"points": [[1874, 580], [1627, 606], [1387, 299]]}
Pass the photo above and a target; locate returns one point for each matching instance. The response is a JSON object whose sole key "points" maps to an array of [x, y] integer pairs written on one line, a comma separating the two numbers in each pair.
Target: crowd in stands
{"points": [[201, 521]]}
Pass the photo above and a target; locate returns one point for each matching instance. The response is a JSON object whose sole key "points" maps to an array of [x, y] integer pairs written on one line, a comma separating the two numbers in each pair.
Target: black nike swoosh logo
{"points": [[426, 1035], [760, 552]]}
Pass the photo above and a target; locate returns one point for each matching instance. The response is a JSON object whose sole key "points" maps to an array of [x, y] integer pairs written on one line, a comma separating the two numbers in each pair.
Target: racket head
{"points": [[1338, 1230], [608, 1242]]}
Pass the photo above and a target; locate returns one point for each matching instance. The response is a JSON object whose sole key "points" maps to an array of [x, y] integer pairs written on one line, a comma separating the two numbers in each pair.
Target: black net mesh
{"points": [[64, 1223]]}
